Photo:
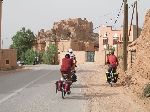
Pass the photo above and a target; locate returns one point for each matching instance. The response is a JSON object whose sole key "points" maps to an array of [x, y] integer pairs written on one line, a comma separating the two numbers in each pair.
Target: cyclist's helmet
{"points": [[70, 50], [111, 51]]}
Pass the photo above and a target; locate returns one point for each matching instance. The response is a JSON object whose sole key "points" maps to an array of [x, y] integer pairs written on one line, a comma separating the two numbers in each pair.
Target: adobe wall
{"points": [[8, 58], [80, 56], [133, 33], [64, 45], [100, 58]]}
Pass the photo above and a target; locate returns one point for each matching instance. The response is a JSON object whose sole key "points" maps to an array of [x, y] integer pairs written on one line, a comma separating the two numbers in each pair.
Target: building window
{"points": [[114, 41], [7, 61], [105, 41]]}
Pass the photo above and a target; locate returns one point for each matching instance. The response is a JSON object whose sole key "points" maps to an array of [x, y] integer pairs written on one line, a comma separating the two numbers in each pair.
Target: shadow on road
{"points": [[89, 96], [100, 95], [79, 71], [77, 97], [79, 86], [114, 85]]}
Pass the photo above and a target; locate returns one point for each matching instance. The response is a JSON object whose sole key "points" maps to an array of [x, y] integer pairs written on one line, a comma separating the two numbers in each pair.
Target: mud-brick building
{"points": [[139, 50], [40, 42], [76, 34], [8, 58], [108, 37], [74, 31]]}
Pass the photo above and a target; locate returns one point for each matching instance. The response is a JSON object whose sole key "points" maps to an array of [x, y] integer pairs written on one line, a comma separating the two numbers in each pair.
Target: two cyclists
{"points": [[68, 64], [72, 56]]}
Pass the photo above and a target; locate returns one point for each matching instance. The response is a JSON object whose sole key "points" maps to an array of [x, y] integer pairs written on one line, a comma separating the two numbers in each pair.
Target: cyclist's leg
{"points": [[73, 67], [114, 69], [109, 68], [116, 73], [62, 74], [69, 76], [108, 73]]}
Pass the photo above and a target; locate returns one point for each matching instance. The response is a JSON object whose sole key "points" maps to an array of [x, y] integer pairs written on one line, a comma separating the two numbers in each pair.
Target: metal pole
{"points": [[117, 48], [0, 21], [137, 20], [105, 56], [125, 35]]}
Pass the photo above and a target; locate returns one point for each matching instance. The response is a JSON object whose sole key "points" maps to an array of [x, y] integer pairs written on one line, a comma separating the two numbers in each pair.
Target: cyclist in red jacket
{"points": [[66, 66], [112, 62]]}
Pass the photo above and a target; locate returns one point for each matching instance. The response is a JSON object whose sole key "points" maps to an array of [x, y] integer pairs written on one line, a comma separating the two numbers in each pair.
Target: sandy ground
{"points": [[103, 98]]}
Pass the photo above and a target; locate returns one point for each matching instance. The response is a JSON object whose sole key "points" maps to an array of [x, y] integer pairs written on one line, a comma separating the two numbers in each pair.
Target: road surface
{"points": [[34, 91]]}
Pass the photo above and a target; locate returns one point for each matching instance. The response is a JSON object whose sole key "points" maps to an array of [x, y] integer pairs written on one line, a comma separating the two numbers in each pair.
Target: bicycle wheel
{"points": [[56, 87], [111, 80], [63, 94], [111, 84]]}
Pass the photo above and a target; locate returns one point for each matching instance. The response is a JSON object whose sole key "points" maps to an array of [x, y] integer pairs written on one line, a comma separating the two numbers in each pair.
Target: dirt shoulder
{"points": [[103, 98]]}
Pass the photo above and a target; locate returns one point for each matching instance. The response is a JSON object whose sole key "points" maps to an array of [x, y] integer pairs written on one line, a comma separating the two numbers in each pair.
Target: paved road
{"points": [[34, 91]]}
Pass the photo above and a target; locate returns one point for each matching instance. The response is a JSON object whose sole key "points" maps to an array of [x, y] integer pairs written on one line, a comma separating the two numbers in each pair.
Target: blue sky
{"points": [[38, 14]]}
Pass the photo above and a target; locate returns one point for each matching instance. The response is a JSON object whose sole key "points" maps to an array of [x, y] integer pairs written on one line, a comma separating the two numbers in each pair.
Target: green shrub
{"points": [[29, 56], [50, 56]]}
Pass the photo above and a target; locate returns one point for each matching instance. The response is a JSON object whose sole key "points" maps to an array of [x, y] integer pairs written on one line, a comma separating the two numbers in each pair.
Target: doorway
{"points": [[90, 56]]}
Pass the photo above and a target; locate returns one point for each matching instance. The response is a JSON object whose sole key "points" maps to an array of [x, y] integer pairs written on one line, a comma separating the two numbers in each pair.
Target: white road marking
{"points": [[21, 89]]}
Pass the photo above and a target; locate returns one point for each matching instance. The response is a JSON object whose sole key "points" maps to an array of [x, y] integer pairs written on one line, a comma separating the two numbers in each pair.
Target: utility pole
{"points": [[1, 1], [125, 35], [137, 26]]}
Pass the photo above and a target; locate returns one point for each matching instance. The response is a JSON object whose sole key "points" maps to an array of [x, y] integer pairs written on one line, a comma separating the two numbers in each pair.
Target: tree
{"points": [[22, 41], [49, 56], [29, 56]]}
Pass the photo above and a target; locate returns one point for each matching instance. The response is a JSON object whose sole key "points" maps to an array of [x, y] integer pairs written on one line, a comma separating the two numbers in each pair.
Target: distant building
{"points": [[114, 39], [72, 33], [78, 35]]}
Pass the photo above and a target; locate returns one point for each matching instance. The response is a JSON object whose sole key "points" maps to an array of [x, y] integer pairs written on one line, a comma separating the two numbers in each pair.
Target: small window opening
{"points": [[7, 61]]}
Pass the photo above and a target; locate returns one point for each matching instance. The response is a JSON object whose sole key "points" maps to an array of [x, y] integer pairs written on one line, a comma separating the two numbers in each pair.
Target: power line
{"points": [[121, 10], [111, 17]]}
